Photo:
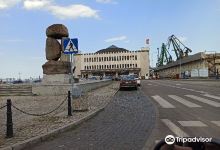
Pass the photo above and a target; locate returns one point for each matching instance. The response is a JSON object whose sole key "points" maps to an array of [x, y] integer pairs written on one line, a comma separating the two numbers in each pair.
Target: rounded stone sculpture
{"points": [[53, 49], [57, 31], [56, 67]]}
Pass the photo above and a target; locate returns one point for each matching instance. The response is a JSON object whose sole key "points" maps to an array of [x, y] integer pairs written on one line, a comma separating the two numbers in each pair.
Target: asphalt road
{"points": [[190, 108], [125, 124]]}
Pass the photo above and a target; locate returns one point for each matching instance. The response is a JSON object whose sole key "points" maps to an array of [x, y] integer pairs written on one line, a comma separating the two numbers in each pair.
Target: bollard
{"points": [[69, 104], [9, 130]]}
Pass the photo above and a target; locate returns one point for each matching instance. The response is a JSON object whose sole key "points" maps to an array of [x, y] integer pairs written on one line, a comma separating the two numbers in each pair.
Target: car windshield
{"points": [[128, 78]]}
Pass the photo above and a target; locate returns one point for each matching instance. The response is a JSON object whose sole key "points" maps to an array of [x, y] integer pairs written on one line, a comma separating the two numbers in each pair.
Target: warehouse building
{"points": [[198, 65]]}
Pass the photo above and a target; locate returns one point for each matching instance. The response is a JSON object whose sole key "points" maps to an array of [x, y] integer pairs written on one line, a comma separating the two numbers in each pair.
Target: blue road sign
{"points": [[70, 46]]}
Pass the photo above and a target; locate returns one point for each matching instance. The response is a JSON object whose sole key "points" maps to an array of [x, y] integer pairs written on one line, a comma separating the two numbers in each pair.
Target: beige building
{"points": [[197, 65], [113, 61]]}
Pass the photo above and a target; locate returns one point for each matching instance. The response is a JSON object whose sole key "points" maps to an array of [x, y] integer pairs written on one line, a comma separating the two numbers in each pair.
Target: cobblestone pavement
{"points": [[26, 126], [125, 124]]}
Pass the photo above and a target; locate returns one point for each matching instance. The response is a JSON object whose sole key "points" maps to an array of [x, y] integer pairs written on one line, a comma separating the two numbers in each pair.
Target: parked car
{"points": [[128, 82], [92, 78], [137, 79], [37, 81], [17, 82]]}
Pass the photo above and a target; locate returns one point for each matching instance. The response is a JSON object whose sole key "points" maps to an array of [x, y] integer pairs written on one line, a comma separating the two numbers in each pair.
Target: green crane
{"points": [[164, 56]]}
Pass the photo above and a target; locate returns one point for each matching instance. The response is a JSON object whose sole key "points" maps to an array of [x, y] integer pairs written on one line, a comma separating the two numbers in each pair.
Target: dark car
{"points": [[128, 82], [17, 82]]}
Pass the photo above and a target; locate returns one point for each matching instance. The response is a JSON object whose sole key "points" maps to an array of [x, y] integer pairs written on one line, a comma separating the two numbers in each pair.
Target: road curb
{"points": [[41, 138]]}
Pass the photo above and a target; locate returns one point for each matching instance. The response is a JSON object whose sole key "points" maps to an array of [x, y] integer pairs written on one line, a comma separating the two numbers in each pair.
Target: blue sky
{"points": [[100, 23]]}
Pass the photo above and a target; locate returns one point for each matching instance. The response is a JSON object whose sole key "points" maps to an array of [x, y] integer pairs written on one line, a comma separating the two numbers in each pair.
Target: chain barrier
{"points": [[3, 107], [43, 114]]}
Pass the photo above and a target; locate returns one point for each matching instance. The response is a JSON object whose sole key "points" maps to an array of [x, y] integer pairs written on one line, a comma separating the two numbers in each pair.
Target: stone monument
{"points": [[56, 70]]}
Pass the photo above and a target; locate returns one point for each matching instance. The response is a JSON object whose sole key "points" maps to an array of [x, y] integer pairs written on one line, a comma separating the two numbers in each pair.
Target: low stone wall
{"points": [[62, 89]]}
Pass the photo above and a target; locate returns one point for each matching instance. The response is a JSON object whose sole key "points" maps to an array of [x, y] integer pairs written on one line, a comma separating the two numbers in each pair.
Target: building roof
{"points": [[190, 58], [112, 48]]}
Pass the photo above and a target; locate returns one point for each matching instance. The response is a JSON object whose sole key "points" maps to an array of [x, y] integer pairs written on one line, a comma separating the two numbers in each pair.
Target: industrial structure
{"points": [[113, 61], [202, 64]]}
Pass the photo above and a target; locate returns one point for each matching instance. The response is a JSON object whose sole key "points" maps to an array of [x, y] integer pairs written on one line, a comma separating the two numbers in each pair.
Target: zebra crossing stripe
{"points": [[174, 128], [192, 124], [216, 123], [163, 103], [203, 100], [183, 101], [212, 96]]}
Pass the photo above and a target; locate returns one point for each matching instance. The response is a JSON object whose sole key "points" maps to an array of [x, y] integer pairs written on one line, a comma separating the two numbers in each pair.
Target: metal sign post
{"points": [[70, 47]]}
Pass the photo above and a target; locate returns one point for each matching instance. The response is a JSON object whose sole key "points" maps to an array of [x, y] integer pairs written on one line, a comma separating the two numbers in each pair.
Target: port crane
{"points": [[178, 47], [164, 56], [180, 50]]}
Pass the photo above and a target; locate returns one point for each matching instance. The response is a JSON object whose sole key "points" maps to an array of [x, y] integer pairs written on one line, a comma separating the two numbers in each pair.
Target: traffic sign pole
{"points": [[70, 47]]}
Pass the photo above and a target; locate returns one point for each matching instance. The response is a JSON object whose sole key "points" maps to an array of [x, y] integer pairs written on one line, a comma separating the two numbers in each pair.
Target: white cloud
{"points": [[114, 39], [106, 1], [63, 12], [182, 38], [73, 11], [4, 4], [127, 41], [36, 4]]}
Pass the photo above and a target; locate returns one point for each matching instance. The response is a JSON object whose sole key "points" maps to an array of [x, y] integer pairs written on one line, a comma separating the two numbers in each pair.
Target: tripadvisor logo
{"points": [[169, 139]]}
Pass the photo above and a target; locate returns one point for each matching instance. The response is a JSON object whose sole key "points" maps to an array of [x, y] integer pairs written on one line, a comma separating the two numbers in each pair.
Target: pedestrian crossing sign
{"points": [[70, 46]]}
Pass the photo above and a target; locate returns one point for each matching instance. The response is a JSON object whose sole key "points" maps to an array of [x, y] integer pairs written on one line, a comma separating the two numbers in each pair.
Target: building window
{"points": [[127, 57], [119, 58], [89, 59], [114, 58], [84, 59], [85, 67], [120, 66], [104, 58], [109, 58], [135, 65], [135, 57], [99, 59], [123, 65]]}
